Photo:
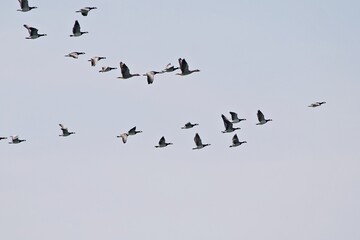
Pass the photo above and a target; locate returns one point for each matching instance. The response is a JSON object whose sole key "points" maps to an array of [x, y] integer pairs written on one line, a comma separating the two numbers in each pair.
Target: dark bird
{"points": [[261, 118], [228, 125], [163, 143], [184, 67], [65, 131], [236, 142], [77, 30], [198, 142], [33, 32], [24, 5], [125, 72], [84, 11]]}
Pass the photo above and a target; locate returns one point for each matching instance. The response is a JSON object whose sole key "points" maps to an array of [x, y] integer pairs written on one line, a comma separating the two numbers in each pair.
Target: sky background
{"points": [[296, 178]]}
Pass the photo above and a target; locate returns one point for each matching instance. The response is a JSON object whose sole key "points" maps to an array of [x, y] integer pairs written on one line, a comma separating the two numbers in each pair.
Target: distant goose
{"points": [[133, 131], [107, 69], [74, 54], [235, 119], [261, 118], [236, 142], [189, 125], [65, 131], [125, 72], [317, 104], [184, 67], [150, 76], [84, 11], [123, 136], [169, 68], [228, 125], [198, 142], [33, 32], [76, 30], [16, 140], [163, 143], [24, 5], [2, 138], [94, 60]]}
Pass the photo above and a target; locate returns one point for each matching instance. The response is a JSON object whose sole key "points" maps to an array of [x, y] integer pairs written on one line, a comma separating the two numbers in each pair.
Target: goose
{"points": [[133, 131], [236, 142], [189, 125], [125, 72], [84, 11], [228, 125], [169, 68], [107, 69], [184, 67], [235, 119], [76, 30], [24, 5], [33, 32], [94, 60], [261, 118], [2, 138], [16, 140], [163, 143], [198, 142], [65, 131], [123, 136], [317, 104], [150, 76], [74, 54]]}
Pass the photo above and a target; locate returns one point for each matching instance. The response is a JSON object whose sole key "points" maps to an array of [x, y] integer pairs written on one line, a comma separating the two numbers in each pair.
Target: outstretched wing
{"points": [[124, 69], [234, 116], [24, 4], [76, 28], [132, 130], [260, 116], [162, 141], [226, 121], [197, 140], [235, 139], [184, 67]]}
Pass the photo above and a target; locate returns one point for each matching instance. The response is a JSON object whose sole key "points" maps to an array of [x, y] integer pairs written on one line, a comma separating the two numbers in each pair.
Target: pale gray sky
{"points": [[296, 178]]}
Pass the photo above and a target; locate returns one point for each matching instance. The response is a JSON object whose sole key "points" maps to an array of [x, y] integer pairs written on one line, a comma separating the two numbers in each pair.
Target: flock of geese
{"points": [[126, 74]]}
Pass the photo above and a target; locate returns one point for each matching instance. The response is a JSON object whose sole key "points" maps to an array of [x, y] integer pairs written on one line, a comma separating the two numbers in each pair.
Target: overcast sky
{"points": [[296, 178]]}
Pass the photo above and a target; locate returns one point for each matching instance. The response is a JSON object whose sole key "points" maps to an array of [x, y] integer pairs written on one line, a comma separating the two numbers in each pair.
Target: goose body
{"points": [[163, 143], [261, 118], [125, 72], [317, 104], [169, 68], [65, 131], [77, 30], [150, 76], [236, 142], [94, 60], [123, 136], [33, 32], [85, 11], [189, 125], [107, 69], [235, 118], [228, 125], [74, 54], [198, 142], [184, 67], [24, 6], [16, 140]]}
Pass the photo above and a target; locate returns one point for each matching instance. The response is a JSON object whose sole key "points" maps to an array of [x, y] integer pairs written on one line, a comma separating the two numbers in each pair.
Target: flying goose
{"points": [[84, 11], [123, 136], [65, 131], [236, 142], [235, 119], [169, 68], [317, 104], [2, 138], [133, 131], [228, 125], [189, 125], [150, 76], [74, 54], [76, 30], [33, 32], [125, 72], [24, 5], [163, 143], [94, 60], [15, 140], [261, 118], [107, 69], [198, 142], [184, 67]]}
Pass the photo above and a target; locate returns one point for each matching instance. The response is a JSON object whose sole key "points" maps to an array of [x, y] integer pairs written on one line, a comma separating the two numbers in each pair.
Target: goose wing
{"points": [[24, 4], [184, 67], [32, 30], [234, 116], [260, 116], [235, 139], [125, 71], [227, 123], [197, 140], [162, 141], [76, 28], [133, 130]]}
